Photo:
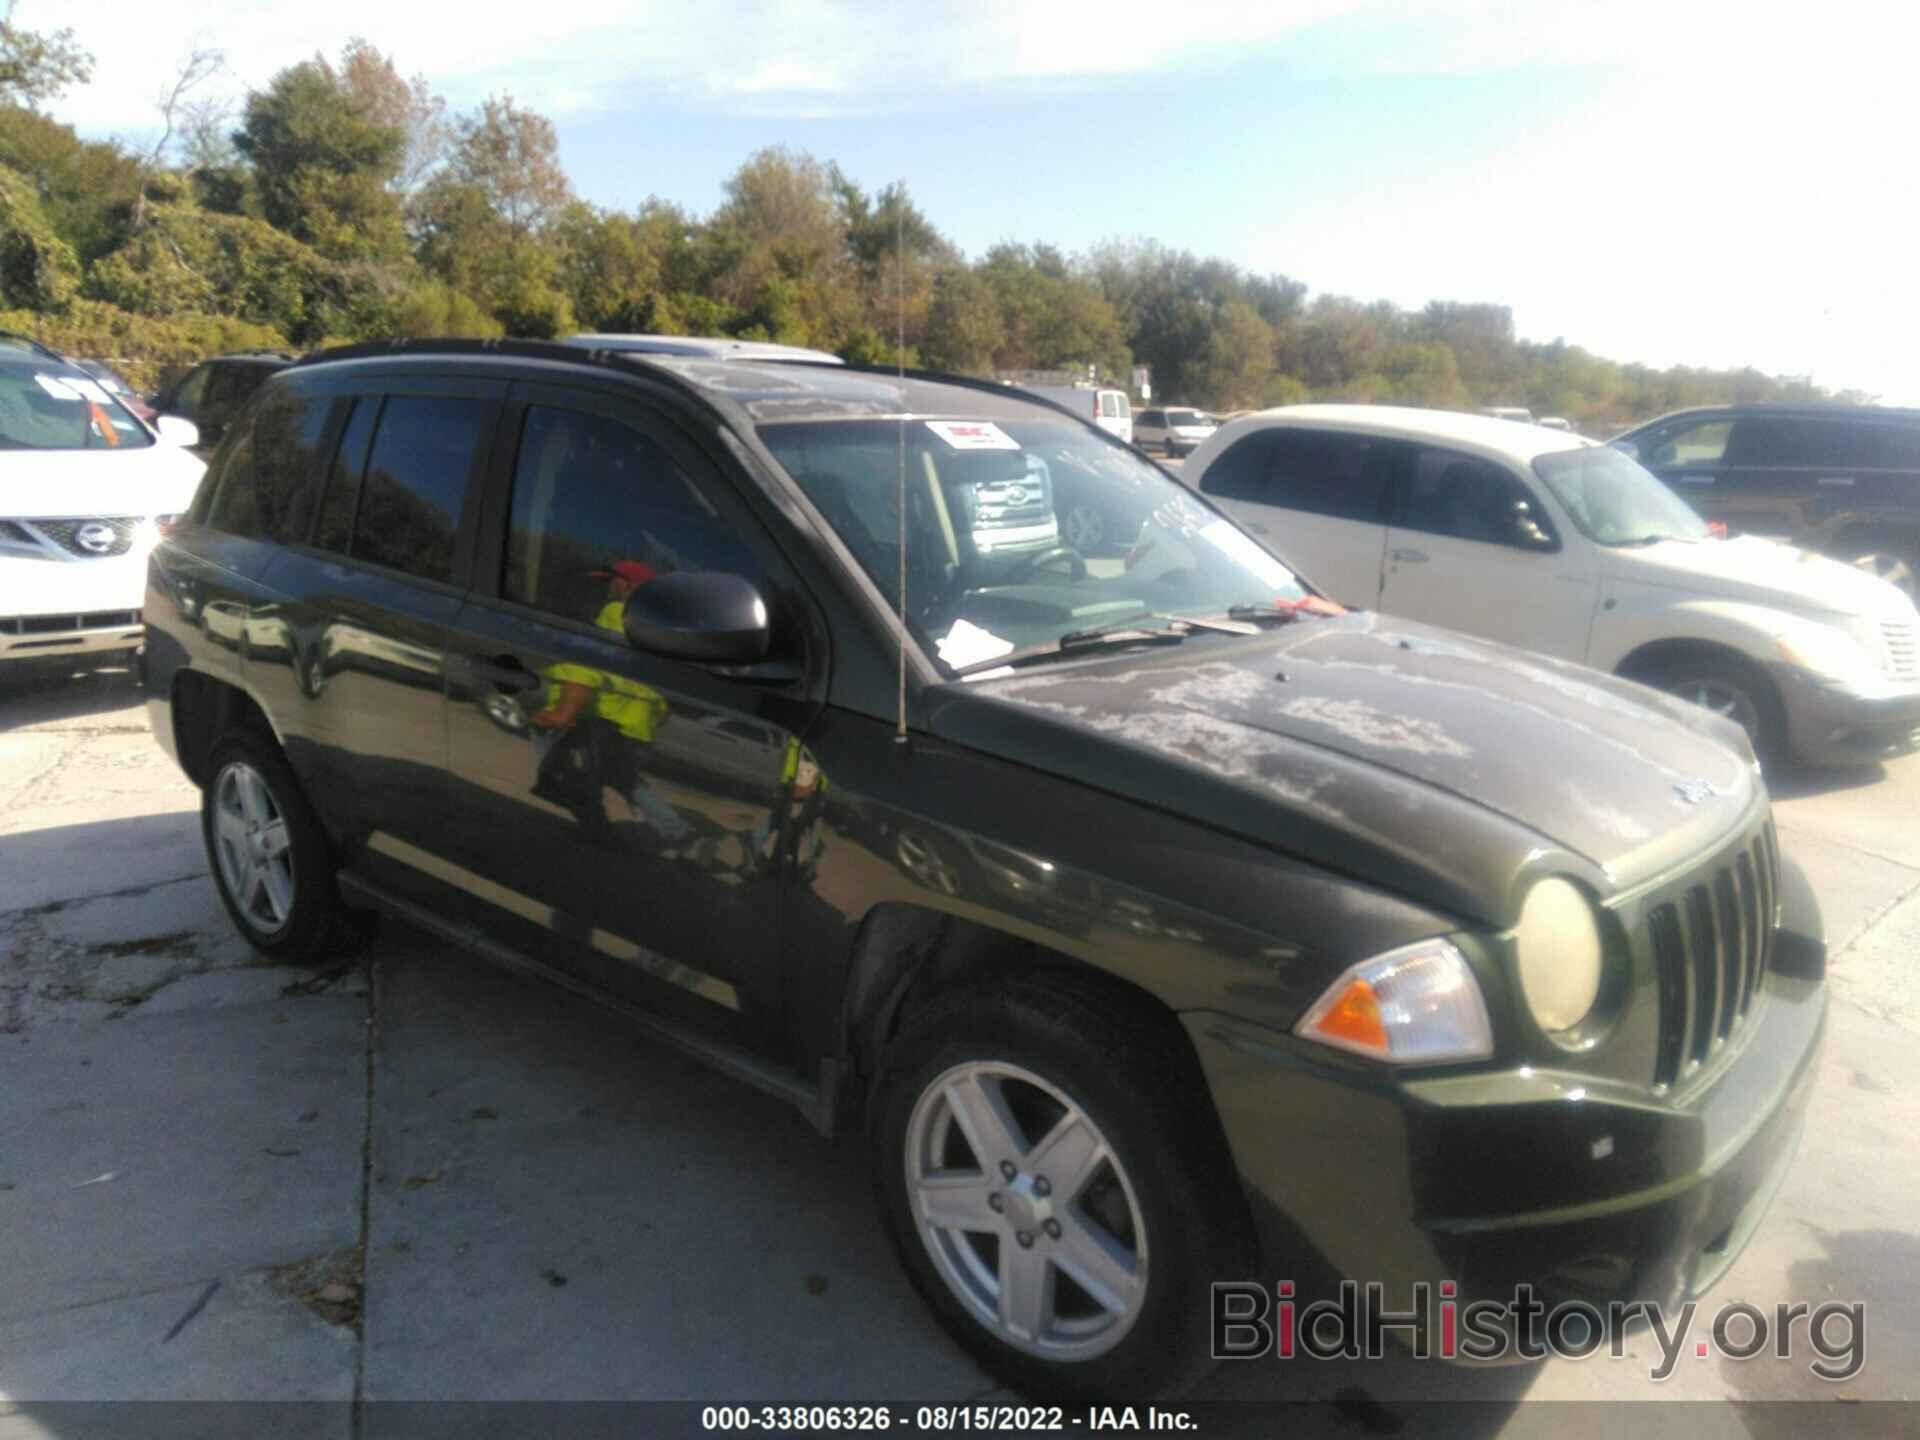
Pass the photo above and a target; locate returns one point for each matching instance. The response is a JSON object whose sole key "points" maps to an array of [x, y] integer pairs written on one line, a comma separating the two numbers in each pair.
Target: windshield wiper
{"points": [[1075, 640], [1642, 540]]}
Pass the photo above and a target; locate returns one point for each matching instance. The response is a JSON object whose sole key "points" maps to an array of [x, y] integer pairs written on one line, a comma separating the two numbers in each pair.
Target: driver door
{"points": [[620, 813], [1472, 548]]}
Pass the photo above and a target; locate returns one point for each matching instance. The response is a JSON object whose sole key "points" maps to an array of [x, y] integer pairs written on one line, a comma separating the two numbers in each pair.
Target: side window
{"points": [[1149, 417], [594, 499], [1109, 410], [1884, 447], [1238, 472], [287, 429], [1771, 441], [416, 482], [224, 388], [1451, 494], [1702, 443], [340, 496], [1345, 476], [190, 392], [233, 509]]}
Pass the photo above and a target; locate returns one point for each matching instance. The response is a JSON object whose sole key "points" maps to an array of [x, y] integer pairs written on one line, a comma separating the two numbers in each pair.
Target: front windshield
{"points": [[48, 407], [1188, 417], [1614, 500], [1021, 531]]}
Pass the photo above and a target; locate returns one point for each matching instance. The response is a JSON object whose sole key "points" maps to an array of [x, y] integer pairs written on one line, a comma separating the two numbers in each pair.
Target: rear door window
{"points": [[1773, 442], [1348, 477], [287, 431], [419, 470]]}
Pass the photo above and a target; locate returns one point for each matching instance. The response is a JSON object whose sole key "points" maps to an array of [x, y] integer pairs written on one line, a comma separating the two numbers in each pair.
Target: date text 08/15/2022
{"points": [[939, 1419]]}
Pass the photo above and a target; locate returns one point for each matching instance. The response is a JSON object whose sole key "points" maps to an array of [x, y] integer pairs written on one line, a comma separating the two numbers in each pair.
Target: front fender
{"points": [[1637, 620]]}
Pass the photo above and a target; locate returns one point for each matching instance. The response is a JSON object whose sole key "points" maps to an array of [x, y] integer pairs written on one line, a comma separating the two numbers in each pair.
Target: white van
{"points": [[1558, 545], [1106, 408]]}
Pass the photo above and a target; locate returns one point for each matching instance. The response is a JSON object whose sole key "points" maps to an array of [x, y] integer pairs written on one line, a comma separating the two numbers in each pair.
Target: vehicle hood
{"points": [[64, 484], [1758, 571], [1450, 769]]}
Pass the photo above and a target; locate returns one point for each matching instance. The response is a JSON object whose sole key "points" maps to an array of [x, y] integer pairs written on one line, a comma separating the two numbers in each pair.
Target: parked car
{"points": [[1840, 479], [85, 491], [1176, 431], [1555, 422], [213, 392], [118, 386], [1145, 917], [1509, 412], [1557, 545], [1109, 409]]}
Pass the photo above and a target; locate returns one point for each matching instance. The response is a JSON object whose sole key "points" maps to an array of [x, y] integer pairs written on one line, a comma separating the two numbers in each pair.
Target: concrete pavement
{"points": [[203, 1160]]}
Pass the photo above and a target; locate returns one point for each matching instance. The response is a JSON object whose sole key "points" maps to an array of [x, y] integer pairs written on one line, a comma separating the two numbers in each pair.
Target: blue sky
{"points": [[1673, 181]]}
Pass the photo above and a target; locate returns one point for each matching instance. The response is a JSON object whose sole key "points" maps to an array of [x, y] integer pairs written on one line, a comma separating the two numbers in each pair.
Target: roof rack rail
{"points": [[454, 345]]}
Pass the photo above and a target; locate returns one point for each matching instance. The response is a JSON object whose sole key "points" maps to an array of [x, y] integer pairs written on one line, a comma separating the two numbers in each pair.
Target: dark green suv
{"points": [[1161, 923]]}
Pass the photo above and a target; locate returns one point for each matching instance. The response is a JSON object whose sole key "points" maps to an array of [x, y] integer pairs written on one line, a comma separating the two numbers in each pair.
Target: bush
{"points": [[436, 309], [148, 351], [37, 268]]}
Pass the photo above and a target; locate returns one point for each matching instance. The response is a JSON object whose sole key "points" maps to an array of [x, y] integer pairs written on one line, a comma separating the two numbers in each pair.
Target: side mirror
{"points": [[172, 430], [1627, 448], [703, 615]]}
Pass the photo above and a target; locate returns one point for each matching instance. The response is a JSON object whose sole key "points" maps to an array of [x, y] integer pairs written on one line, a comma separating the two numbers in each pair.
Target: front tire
{"points": [[1057, 1188], [269, 856], [1734, 689]]}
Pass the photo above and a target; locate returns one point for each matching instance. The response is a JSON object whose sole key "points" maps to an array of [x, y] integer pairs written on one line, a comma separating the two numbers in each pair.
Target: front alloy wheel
{"points": [[1026, 1212], [1055, 1181], [253, 846]]}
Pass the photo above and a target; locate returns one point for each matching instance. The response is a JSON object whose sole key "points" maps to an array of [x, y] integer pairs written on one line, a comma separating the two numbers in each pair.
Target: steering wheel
{"points": [[1076, 562]]}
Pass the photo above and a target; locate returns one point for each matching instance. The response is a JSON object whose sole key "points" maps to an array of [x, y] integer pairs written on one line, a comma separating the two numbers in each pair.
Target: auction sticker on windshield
{"points": [[973, 435]]}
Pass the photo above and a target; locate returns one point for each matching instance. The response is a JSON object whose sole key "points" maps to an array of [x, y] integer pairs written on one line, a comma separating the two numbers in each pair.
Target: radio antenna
{"points": [[900, 499]]}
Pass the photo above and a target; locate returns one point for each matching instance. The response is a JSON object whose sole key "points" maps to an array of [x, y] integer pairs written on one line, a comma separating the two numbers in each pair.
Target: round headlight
{"points": [[1560, 954]]}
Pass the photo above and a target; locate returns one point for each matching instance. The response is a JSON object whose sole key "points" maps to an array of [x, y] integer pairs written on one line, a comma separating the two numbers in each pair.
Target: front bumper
{"points": [[1580, 1191], [1831, 724], [51, 637]]}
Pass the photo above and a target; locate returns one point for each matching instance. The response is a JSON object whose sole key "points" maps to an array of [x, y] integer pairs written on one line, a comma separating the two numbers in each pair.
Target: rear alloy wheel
{"points": [[1056, 1186], [1084, 529], [269, 857], [1896, 570]]}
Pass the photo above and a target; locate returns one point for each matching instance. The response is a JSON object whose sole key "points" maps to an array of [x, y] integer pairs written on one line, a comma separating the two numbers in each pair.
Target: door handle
{"points": [[506, 674], [1411, 557]]}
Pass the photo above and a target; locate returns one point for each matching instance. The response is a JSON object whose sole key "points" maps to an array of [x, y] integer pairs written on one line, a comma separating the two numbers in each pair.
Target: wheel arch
{"points": [[205, 708]]}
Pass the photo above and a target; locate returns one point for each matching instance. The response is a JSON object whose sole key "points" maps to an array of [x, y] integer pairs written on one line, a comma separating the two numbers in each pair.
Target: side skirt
{"points": [[815, 1102]]}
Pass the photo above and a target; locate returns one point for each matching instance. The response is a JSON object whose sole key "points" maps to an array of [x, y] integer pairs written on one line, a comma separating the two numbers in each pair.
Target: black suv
{"points": [[1840, 479], [1161, 922], [215, 390]]}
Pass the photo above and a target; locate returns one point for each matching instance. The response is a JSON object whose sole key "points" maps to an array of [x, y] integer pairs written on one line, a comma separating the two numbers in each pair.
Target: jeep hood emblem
{"points": [[1695, 790]]}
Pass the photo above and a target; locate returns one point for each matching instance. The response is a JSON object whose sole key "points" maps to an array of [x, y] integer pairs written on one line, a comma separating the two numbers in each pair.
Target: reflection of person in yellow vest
{"points": [[627, 714]]}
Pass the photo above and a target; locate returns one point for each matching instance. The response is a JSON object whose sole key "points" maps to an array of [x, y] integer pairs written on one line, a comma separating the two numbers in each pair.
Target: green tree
{"points": [[38, 269], [434, 309], [85, 188], [964, 328], [36, 67], [1239, 357], [326, 160]]}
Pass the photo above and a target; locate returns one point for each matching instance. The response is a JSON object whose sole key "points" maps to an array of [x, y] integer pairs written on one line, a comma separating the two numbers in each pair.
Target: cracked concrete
{"points": [[400, 1175]]}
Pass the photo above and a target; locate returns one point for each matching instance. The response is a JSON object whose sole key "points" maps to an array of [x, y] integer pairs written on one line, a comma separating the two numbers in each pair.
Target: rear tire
{"points": [[981, 1095], [270, 859]]}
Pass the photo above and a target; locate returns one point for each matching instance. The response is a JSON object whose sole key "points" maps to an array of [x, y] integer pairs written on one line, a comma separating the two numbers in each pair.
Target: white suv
{"points": [[85, 490], [1550, 542]]}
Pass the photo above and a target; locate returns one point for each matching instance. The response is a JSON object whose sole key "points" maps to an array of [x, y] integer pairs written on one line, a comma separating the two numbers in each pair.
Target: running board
{"points": [[815, 1104]]}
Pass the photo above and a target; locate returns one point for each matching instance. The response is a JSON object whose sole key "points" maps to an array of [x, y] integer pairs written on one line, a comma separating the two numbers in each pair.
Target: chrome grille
{"points": [[1903, 649], [1712, 942], [65, 534]]}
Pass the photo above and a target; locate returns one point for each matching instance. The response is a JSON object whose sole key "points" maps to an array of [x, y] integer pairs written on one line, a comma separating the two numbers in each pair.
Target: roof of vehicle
{"points": [[715, 347], [1482, 432], [1901, 414], [257, 357], [767, 390]]}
